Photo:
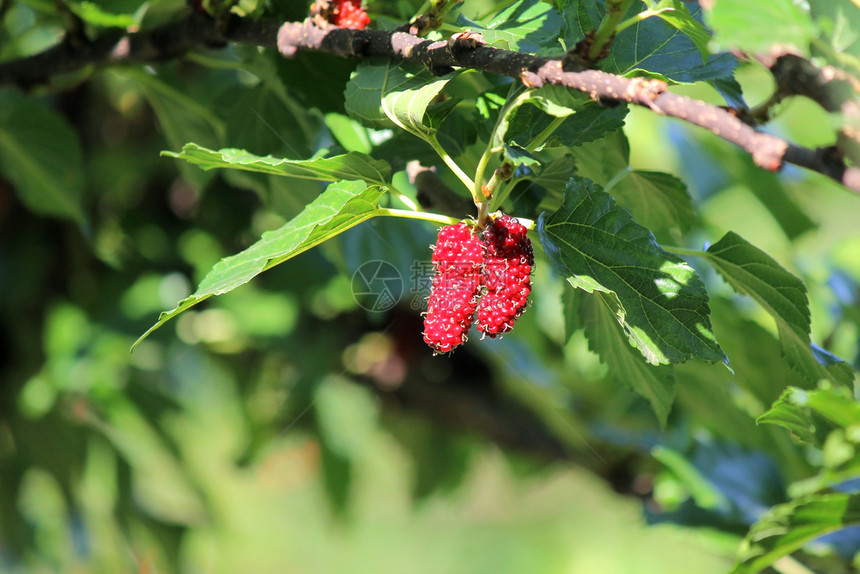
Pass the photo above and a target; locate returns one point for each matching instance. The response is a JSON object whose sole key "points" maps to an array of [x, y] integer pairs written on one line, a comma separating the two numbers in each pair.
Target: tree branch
{"points": [[463, 51]]}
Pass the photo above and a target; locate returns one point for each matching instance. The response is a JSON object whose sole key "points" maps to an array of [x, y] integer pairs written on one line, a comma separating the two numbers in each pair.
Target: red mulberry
{"points": [[458, 258], [506, 275], [348, 14]]}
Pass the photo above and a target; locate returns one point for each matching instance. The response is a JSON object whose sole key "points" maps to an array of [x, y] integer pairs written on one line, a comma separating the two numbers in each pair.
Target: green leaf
{"points": [[657, 200], [791, 413], [91, 13], [787, 527], [41, 155], [181, 118], [648, 45], [524, 26], [676, 15], [344, 204], [604, 159], [383, 94], [351, 165], [756, 28], [659, 300], [655, 383], [752, 272]]}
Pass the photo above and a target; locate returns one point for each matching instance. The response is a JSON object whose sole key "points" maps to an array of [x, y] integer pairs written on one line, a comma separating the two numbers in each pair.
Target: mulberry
{"points": [[348, 14], [458, 258], [506, 275]]}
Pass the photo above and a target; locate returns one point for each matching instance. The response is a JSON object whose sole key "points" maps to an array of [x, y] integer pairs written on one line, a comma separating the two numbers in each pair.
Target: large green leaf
{"points": [[525, 26], [351, 165], [41, 155], [752, 272], [647, 45], [655, 383], [344, 204], [755, 28], [657, 298], [787, 527], [383, 94], [676, 14]]}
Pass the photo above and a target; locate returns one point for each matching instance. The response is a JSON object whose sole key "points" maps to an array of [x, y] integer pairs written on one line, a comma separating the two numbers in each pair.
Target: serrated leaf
{"points": [[41, 155], [384, 94], [659, 300], [655, 383], [752, 272], [648, 45], [676, 14], [524, 26], [756, 27], [350, 166], [787, 527], [657, 200], [341, 206]]}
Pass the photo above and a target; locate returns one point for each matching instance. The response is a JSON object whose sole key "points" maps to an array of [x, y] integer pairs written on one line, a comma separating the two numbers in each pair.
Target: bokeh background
{"points": [[284, 427]]}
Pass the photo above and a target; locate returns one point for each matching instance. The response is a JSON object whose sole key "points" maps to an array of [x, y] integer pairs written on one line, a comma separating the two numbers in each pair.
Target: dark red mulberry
{"points": [[458, 258], [506, 275]]}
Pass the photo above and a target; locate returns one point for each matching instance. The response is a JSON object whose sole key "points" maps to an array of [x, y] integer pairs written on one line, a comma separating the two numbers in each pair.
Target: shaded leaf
{"points": [[655, 383], [787, 527], [657, 200], [351, 165], [41, 155], [343, 205], [658, 299], [603, 159]]}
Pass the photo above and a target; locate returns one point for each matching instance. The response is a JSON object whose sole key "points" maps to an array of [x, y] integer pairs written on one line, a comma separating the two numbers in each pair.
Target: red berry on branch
{"points": [[458, 258], [506, 276]]}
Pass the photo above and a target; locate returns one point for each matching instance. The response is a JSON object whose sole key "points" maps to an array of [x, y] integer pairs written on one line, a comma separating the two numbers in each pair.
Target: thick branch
{"points": [[174, 40]]}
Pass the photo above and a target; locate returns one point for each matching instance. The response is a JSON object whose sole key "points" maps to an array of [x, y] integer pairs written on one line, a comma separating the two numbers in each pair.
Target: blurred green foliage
{"points": [[284, 428]]}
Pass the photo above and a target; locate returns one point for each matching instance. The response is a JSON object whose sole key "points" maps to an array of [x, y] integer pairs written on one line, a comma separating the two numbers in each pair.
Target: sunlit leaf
{"points": [[778, 22], [343, 205], [384, 94], [525, 25], [752, 272], [787, 527], [351, 165], [657, 298]]}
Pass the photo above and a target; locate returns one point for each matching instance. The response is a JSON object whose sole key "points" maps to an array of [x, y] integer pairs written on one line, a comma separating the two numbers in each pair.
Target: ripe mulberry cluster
{"points": [[489, 276], [458, 259], [506, 276]]}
